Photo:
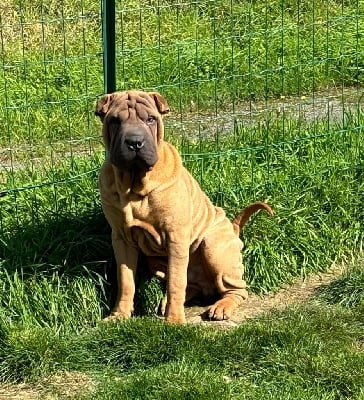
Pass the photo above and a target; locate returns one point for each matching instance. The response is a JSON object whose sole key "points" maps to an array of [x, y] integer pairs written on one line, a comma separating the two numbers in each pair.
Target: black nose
{"points": [[135, 143]]}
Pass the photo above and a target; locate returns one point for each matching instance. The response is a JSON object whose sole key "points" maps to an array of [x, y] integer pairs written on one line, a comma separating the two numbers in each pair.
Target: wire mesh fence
{"points": [[51, 72], [243, 79]]}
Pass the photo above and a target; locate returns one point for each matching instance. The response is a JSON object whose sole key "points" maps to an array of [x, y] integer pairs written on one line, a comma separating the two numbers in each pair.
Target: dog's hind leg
{"points": [[233, 293], [221, 251]]}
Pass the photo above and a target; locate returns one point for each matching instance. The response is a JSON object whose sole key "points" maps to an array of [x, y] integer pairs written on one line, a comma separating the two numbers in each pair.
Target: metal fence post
{"points": [[109, 48]]}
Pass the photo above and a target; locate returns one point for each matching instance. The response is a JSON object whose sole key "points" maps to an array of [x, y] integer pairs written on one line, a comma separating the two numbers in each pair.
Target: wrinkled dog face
{"points": [[132, 137], [132, 128]]}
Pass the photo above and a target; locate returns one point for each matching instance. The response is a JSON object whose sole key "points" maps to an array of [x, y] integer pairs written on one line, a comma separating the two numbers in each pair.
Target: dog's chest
{"points": [[142, 225], [135, 209]]}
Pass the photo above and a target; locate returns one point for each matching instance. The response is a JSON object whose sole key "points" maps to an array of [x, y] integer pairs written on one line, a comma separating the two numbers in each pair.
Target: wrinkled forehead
{"points": [[132, 105]]}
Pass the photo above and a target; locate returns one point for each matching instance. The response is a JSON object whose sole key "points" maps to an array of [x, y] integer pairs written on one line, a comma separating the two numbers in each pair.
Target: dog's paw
{"points": [[222, 309], [175, 314], [117, 316], [176, 319]]}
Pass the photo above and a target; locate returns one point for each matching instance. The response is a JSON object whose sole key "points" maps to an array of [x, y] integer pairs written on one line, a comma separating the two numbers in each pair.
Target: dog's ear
{"points": [[102, 106], [160, 102]]}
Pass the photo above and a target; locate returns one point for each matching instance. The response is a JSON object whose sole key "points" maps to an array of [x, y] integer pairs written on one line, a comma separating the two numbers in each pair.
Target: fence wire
{"points": [[51, 72], [241, 77]]}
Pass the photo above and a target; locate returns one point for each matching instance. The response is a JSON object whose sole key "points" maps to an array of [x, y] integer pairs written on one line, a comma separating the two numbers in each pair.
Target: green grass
{"points": [[211, 53], [310, 352], [222, 58], [228, 51], [54, 291], [348, 290]]}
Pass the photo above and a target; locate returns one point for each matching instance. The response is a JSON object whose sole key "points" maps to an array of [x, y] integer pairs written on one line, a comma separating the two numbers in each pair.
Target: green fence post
{"points": [[109, 48]]}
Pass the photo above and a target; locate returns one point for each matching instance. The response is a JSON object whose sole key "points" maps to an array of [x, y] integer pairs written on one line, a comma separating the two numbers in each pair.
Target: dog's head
{"points": [[132, 127]]}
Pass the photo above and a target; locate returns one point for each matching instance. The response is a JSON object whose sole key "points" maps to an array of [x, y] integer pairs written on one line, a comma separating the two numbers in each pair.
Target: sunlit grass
{"points": [[55, 244]]}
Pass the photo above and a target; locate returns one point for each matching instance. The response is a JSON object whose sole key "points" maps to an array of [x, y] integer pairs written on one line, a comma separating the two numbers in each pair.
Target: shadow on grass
{"points": [[348, 289], [65, 243], [75, 247], [66, 246]]}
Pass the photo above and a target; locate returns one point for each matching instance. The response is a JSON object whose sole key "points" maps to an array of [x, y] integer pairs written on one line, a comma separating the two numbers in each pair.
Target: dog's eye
{"points": [[151, 120]]}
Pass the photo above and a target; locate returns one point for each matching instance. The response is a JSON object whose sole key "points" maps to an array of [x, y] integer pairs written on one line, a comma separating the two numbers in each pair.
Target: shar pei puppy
{"points": [[157, 209]]}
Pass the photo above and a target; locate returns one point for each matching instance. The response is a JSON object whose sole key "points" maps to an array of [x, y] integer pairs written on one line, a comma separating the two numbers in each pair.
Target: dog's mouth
{"points": [[127, 159], [141, 164]]}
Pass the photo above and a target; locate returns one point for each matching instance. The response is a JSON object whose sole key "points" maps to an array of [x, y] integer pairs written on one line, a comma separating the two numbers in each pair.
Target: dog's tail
{"points": [[242, 218]]}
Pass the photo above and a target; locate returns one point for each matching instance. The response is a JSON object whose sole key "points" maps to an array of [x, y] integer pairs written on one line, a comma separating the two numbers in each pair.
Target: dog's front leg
{"points": [[126, 264], [178, 257]]}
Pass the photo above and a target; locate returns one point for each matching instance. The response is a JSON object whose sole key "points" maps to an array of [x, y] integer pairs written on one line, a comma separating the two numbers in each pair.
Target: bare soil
{"points": [[330, 105], [299, 291], [63, 385]]}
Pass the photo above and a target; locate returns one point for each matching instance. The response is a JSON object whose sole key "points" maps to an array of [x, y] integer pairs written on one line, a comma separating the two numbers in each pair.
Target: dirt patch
{"points": [[329, 105], [65, 385], [300, 291]]}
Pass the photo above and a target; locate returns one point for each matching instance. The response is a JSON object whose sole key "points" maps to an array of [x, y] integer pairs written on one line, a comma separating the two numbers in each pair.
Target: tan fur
{"points": [[159, 209]]}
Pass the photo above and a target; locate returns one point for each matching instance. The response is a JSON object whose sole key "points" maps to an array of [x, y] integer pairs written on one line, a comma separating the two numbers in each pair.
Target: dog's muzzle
{"points": [[133, 148]]}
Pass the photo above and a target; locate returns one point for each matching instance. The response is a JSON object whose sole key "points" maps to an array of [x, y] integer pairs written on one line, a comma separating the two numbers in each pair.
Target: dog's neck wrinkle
{"points": [[163, 175]]}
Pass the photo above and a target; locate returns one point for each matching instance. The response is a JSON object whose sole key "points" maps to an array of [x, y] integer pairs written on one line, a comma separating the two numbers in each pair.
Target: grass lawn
{"points": [[305, 351], [266, 105]]}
